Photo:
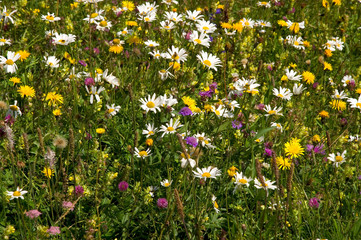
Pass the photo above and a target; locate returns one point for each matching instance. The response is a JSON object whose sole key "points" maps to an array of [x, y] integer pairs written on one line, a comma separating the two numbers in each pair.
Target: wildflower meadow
{"points": [[187, 119]]}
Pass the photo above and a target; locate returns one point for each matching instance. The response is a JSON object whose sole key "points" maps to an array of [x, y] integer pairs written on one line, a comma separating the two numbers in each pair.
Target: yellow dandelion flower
{"points": [[282, 23], [15, 80], [116, 49], [131, 23], [100, 130], [226, 25], [316, 138], [232, 171], [54, 98], [327, 66], [338, 104], [57, 112], [283, 163], [48, 172], [325, 3], [189, 101], [149, 142], [23, 54], [308, 77], [328, 53], [337, 2], [293, 148], [358, 91], [324, 114], [128, 5], [238, 27], [26, 91]]}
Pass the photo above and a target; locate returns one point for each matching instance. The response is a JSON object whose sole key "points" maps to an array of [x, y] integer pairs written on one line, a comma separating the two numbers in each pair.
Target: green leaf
{"points": [[263, 132]]}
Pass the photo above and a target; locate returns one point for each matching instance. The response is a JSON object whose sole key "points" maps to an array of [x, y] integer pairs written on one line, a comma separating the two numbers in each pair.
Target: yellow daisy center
{"points": [[339, 158], [143, 153], [205, 28], [272, 112], [150, 133], [14, 108], [111, 110], [280, 95], [62, 41], [94, 15], [166, 184], [2, 40], [198, 41], [170, 128], [50, 18], [243, 181], [207, 62], [206, 174], [9, 62], [103, 23], [358, 105], [150, 104], [16, 194]]}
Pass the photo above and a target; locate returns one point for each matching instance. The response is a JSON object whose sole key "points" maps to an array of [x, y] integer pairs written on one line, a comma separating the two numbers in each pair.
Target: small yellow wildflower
{"points": [[26, 91]]}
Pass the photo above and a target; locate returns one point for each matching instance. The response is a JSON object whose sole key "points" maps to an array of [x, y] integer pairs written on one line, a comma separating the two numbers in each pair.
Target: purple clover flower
{"points": [[314, 203], [162, 203], [185, 111], [237, 124], [192, 141]]}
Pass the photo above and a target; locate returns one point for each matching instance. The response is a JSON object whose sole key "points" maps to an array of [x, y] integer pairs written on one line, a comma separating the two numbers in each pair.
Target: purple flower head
{"points": [[268, 152], [314, 203], [96, 51], [218, 11], [318, 149], [260, 106], [343, 122], [309, 147], [213, 86], [9, 119], [269, 67], [237, 124], [83, 63], [292, 11], [33, 214], [53, 230], [185, 111], [205, 94], [285, 18], [88, 136], [359, 177], [123, 186], [162, 203], [315, 85], [210, 38], [89, 81], [68, 205], [79, 190], [86, 48], [188, 36], [192, 141]]}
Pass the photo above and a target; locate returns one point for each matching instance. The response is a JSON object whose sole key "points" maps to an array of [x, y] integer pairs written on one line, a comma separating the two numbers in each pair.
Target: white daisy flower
{"points": [[241, 179], [176, 54], [209, 60], [94, 17], [355, 103], [167, 25], [339, 95], [17, 194], [151, 43], [338, 158], [4, 41], [9, 62], [298, 89], [8, 16], [94, 92], [173, 16], [277, 125], [50, 17], [103, 25], [292, 75], [202, 39], [52, 61], [209, 172], [112, 109], [151, 103], [194, 15], [166, 183], [283, 93], [14, 110], [268, 184], [275, 111], [142, 154], [206, 26], [170, 127], [150, 131], [63, 39]]}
